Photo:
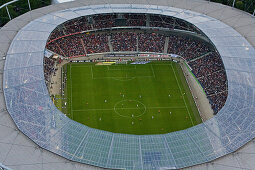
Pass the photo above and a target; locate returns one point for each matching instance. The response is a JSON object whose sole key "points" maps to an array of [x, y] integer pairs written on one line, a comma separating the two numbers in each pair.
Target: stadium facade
{"points": [[23, 85]]}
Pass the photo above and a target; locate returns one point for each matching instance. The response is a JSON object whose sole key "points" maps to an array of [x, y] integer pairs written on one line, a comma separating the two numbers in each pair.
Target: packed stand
{"points": [[49, 69], [182, 25], [212, 76], [124, 41], [218, 101], [214, 83], [71, 46], [96, 43], [172, 23], [58, 32], [104, 21], [101, 21], [136, 19], [161, 21], [54, 47], [207, 65], [77, 25], [186, 47], [151, 42], [79, 45], [196, 49]]}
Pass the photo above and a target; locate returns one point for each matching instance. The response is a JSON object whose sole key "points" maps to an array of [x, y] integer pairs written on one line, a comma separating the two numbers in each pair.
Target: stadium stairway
{"points": [[166, 44], [200, 56], [147, 20], [137, 41], [110, 44]]}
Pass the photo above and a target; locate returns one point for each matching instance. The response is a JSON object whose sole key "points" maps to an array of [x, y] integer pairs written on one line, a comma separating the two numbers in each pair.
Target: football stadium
{"points": [[127, 85]]}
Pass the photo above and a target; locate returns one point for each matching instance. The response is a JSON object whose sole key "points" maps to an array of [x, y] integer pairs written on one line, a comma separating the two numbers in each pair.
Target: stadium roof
{"points": [[24, 84], [60, 1]]}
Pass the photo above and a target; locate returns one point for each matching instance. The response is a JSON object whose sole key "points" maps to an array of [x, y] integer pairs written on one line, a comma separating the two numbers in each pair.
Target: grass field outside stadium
{"points": [[153, 98]]}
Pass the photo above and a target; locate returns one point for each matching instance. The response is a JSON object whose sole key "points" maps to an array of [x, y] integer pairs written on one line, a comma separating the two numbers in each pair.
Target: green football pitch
{"points": [[153, 98]]}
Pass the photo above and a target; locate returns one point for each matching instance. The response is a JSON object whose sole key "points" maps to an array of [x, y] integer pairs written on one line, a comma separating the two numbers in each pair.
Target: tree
{"points": [[218, 1], [239, 5], [249, 6]]}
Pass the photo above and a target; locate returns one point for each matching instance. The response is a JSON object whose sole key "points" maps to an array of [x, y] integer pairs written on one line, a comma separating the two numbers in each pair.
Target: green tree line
{"points": [[18, 8], [245, 5]]}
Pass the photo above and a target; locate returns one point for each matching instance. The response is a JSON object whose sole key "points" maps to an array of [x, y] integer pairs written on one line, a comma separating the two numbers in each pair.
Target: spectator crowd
{"points": [[206, 64], [124, 41], [102, 21], [49, 69]]}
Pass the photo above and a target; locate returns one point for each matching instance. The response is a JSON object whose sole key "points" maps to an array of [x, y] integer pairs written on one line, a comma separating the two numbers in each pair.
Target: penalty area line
{"points": [[91, 72], [153, 71]]}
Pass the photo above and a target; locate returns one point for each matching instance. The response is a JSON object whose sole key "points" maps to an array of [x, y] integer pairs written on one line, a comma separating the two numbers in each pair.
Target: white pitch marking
{"points": [[183, 97], [91, 72]]}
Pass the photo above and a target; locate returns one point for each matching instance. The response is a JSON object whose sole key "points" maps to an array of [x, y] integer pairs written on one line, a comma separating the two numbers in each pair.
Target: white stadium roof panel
{"points": [[40, 26], [24, 60], [232, 41], [50, 18], [20, 46], [237, 64], [83, 11], [214, 32], [32, 35], [236, 52], [211, 24], [67, 14]]}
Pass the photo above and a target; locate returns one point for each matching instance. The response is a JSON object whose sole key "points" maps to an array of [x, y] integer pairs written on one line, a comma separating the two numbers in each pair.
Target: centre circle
{"points": [[129, 108]]}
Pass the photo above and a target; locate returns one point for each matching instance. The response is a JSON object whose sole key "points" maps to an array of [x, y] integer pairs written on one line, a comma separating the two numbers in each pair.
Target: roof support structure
{"points": [[233, 3], [8, 13], [29, 5]]}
